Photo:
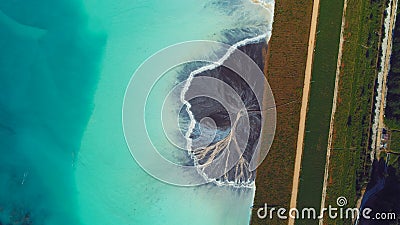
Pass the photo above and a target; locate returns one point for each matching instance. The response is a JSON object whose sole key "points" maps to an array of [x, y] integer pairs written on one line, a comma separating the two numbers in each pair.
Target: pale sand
{"points": [[385, 75], [304, 106]]}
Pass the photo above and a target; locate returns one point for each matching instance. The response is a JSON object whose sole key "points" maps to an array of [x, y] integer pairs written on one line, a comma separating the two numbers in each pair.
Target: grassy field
{"points": [[395, 142], [349, 162], [320, 105], [392, 111], [394, 146], [284, 68]]}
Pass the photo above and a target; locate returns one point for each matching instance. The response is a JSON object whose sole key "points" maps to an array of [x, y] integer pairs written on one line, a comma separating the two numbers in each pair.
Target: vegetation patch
{"points": [[320, 106], [350, 163], [285, 67], [392, 111]]}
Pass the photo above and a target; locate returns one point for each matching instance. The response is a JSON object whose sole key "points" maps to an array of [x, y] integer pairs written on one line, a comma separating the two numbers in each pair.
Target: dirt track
{"points": [[304, 106], [285, 58]]}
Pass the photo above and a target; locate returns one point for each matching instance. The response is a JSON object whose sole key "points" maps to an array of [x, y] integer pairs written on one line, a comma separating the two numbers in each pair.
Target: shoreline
{"points": [[260, 38], [243, 45], [385, 72]]}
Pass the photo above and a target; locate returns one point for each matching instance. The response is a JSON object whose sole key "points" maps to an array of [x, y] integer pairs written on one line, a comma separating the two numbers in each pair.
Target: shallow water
{"points": [[49, 64], [64, 70]]}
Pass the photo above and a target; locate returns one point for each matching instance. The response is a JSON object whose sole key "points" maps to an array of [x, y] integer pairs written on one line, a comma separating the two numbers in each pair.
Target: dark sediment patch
{"points": [[203, 107]]}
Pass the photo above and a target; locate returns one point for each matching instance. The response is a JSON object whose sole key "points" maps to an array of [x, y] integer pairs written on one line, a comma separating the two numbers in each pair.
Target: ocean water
{"points": [[64, 69], [49, 66]]}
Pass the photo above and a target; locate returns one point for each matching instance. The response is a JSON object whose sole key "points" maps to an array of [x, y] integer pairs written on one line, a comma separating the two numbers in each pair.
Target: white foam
{"points": [[257, 39], [379, 99]]}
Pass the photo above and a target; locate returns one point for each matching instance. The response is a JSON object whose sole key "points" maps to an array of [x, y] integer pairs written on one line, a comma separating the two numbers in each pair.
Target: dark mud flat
{"points": [[206, 107]]}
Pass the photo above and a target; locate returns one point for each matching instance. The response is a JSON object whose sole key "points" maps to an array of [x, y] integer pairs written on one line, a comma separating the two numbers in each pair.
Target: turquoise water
{"points": [[49, 67], [64, 67]]}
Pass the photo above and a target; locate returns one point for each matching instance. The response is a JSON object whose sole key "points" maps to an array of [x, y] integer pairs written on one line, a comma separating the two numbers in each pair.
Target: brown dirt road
{"points": [[285, 64], [304, 106]]}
